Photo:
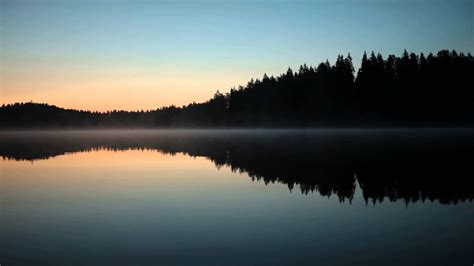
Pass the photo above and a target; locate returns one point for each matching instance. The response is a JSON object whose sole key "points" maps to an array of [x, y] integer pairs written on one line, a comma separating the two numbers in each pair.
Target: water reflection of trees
{"points": [[404, 165]]}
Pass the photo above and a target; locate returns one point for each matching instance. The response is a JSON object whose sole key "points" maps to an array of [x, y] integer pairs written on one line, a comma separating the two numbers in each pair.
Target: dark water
{"points": [[241, 197]]}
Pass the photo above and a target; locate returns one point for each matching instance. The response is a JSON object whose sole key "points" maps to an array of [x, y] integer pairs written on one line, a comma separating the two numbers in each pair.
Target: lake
{"points": [[237, 197]]}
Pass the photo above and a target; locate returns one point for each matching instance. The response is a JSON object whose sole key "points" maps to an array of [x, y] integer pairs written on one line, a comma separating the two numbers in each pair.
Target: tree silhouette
{"points": [[411, 90]]}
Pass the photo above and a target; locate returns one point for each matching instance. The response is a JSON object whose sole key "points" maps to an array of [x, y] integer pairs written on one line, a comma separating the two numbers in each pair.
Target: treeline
{"points": [[411, 90]]}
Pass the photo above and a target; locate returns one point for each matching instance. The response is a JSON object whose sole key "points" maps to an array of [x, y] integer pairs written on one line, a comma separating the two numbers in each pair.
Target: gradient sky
{"points": [[105, 54]]}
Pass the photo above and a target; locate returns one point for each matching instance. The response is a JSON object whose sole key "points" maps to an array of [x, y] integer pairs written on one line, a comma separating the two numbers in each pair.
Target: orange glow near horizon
{"points": [[117, 89]]}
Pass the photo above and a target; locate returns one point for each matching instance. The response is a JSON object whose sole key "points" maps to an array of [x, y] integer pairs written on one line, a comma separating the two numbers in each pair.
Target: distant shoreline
{"points": [[407, 91]]}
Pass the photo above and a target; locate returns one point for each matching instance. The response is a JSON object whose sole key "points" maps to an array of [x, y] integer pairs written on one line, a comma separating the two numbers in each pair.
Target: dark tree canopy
{"points": [[411, 90]]}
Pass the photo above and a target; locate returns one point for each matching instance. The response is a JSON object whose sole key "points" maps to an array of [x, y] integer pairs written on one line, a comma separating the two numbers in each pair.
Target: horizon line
{"points": [[295, 72]]}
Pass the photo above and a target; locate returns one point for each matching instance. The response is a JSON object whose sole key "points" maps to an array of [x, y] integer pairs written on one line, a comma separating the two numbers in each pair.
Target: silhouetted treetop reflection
{"points": [[411, 90], [409, 165]]}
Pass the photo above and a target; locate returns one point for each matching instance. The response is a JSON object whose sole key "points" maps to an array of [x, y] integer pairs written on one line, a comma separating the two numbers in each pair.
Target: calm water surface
{"points": [[328, 197]]}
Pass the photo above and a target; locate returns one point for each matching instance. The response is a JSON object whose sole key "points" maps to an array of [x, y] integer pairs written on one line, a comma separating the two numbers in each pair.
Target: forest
{"points": [[412, 90]]}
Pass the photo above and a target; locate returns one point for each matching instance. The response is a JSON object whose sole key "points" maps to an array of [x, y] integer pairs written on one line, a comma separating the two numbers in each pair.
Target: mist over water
{"points": [[234, 197]]}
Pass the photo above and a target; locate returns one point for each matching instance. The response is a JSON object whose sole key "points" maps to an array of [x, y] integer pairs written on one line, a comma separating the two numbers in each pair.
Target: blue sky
{"points": [[55, 46]]}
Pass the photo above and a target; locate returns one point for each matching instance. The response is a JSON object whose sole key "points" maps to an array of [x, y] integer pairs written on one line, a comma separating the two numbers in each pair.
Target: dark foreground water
{"points": [[315, 197]]}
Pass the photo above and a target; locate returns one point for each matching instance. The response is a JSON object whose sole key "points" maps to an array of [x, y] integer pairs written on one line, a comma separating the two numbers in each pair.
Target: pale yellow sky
{"points": [[113, 87]]}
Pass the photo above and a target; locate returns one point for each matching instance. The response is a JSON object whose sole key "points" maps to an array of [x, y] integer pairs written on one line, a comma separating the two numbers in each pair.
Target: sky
{"points": [[132, 55]]}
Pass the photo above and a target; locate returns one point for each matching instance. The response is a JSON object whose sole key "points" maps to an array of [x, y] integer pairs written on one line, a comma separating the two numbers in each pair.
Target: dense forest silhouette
{"points": [[409, 165], [411, 90]]}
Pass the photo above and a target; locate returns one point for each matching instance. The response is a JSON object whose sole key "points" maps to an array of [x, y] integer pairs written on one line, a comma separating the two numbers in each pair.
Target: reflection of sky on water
{"points": [[143, 206]]}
